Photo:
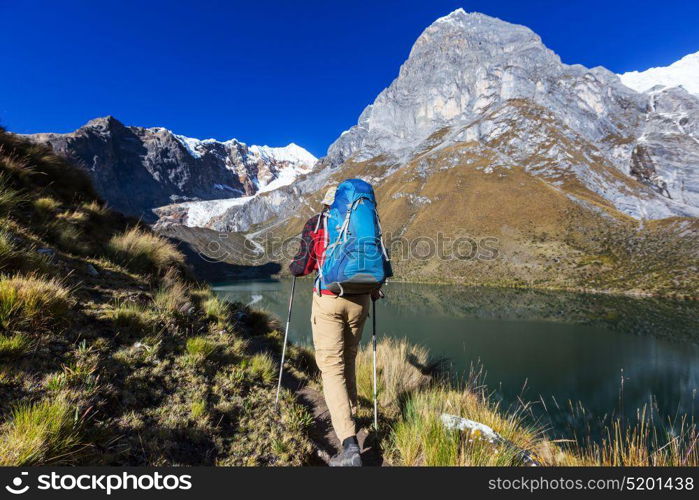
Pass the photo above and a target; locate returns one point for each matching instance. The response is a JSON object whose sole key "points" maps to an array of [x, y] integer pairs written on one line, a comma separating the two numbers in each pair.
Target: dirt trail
{"points": [[323, 436], [321, 432]]}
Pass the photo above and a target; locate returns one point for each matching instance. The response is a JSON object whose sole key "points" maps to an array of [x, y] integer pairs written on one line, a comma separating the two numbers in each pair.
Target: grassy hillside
{"points": [[110, 353]]}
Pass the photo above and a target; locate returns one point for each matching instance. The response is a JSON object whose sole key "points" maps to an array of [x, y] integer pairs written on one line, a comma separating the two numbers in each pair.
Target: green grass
{"points": [[39, 433], [298, 416], [262, 367], [55, 382], [78, 373], [131, 317], [198, 409], [420, 438], [14, 345], [412, 403], [216, 310], [200, 348], [213, 308], [6, 244], [14, 258], [416, 436], [144, 252], [69, 236], [87, 389], [32, 301]]}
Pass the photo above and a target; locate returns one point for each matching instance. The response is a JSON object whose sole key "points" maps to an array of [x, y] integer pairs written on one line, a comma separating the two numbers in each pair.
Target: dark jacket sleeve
{"points": [[305, 260]]}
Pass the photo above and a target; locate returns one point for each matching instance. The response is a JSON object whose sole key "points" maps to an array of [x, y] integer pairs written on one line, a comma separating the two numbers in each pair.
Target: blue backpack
{"points": [[356, 260]]}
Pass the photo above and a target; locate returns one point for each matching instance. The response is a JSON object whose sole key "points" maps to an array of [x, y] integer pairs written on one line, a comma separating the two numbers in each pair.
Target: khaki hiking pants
{"points": [[337, 324]]}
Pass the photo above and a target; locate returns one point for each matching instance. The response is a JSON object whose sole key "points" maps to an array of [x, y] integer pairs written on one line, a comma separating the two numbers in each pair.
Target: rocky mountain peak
{"points": [[104, 124], [477, 79], [474, 31], [462, 42], [464, 64]]}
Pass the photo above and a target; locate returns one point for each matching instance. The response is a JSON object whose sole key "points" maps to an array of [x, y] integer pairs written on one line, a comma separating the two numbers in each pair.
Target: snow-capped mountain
{"points": [[473, 79], [477, 78], [137, 169], [486, 133], [684, 72]]}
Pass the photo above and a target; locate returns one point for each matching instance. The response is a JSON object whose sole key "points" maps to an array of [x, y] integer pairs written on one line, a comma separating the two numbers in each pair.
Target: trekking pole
{"points": [[286, 335], [373, 341]]}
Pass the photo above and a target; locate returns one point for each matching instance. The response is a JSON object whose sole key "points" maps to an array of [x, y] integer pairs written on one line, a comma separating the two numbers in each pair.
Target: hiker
{"points": [[341, 302]]}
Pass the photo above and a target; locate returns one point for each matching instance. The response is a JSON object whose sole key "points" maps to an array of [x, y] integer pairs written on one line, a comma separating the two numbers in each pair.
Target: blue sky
{"points": [[277, 71]]}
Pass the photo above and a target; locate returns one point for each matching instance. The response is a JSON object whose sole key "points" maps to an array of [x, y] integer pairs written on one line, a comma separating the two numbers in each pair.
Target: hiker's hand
{"points": [[377, 294]]}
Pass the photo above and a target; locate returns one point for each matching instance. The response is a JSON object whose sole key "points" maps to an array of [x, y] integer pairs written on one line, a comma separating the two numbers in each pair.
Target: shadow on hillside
{"points": [[216, 272]]}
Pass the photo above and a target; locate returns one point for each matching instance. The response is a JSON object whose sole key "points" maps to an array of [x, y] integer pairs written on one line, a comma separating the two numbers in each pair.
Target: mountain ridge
{"points": [[485, 133], [137, 169]]}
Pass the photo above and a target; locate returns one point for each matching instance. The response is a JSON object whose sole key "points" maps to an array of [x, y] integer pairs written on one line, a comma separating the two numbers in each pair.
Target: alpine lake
{"points": [[582, 359]]}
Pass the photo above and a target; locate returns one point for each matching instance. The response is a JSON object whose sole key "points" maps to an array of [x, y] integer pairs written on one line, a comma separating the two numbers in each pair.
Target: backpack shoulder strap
{"points": [[323, 218], [378, 223]]}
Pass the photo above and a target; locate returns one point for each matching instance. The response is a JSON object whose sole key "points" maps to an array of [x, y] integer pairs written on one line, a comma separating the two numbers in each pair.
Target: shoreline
{"points": [[637, 294]]}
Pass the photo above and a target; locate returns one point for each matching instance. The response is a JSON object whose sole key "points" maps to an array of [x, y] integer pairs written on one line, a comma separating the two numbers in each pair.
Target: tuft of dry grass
{"points": [[144, 252], [172, 297], [37, 166], [32, 301], [260, 322], [69, 236], [639, 444], [46, 206], [402, 368], [198, 409], [9, 198], [7, 248], [39, 433], [413, 406], [95, 209]]}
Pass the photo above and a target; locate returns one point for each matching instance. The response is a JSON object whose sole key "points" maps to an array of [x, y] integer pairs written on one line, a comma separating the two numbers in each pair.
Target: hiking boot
{"points": [[348, 457]]}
